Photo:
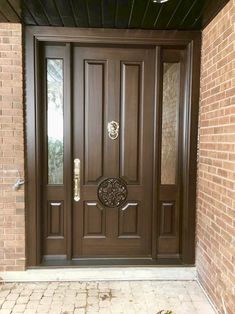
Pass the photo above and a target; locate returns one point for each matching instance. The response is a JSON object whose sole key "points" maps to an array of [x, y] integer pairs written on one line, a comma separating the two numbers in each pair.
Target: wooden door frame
{"points": [[191, 42]]}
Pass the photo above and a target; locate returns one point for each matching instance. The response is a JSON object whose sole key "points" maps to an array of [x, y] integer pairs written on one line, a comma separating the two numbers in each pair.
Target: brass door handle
{"points": [[77, 179]]}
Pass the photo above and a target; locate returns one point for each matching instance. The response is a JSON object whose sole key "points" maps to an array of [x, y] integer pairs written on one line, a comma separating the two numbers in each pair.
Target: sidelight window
{"points": [[170, 109], [55, 141]]}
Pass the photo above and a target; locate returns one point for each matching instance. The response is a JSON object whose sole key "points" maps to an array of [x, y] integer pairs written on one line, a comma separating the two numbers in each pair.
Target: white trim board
{"points": [[100, 274]]}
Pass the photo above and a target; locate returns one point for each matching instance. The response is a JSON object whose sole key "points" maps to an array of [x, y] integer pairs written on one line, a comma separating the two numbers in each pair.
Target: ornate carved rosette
{"points": [[112, 192]]}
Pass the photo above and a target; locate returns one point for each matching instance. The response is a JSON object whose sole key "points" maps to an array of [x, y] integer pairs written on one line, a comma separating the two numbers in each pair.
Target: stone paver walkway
{"points": [[129, 297]]}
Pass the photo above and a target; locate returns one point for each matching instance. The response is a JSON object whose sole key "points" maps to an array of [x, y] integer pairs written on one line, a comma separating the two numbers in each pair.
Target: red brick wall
{"points": [[216, 167], [12, 215]]}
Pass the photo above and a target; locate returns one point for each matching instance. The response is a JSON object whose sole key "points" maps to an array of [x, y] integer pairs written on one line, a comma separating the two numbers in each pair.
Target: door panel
{"points": [[131, 118], [55, 219], [129, 221], [113, 84], [94, 115], [94, 220]]}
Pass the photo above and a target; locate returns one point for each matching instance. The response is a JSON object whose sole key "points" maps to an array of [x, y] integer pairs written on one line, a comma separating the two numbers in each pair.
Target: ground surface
{"points": [[128, 297]]}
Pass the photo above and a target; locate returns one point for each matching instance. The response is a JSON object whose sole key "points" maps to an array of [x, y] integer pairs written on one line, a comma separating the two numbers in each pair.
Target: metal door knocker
{"points": [[113, 130]]}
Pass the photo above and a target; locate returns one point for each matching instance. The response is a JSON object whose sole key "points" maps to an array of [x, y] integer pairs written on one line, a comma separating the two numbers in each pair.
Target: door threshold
{"points": [[110, 262], [101, 274]]}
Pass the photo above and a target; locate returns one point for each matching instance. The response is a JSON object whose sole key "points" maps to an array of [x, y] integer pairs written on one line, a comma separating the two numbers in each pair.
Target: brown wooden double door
{"points": [[107, 155]]}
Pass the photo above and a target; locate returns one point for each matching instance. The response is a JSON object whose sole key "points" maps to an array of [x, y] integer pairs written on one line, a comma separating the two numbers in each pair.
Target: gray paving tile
{"points": [[137, 297]]}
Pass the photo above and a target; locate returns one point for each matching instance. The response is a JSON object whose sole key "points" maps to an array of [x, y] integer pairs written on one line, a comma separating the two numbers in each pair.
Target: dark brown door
{"points": [[110, 146], [113, 103]]}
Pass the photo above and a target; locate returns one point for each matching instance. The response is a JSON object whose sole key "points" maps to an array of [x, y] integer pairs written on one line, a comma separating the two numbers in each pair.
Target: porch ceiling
{"points": [[141, 14]]}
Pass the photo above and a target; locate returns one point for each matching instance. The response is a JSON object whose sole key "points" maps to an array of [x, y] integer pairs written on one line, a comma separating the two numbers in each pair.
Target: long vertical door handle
{"points": [[77, 179]]}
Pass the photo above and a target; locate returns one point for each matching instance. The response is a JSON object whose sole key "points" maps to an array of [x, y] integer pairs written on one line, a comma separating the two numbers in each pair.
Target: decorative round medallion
{"points": [[112, 192]]}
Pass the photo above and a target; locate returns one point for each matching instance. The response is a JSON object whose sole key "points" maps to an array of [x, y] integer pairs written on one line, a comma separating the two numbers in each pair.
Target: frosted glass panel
{"points": [[170, 105], [55, 124]]}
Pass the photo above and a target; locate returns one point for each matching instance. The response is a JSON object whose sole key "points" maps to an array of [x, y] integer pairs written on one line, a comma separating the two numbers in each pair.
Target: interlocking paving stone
{"points": [[127, 297]]}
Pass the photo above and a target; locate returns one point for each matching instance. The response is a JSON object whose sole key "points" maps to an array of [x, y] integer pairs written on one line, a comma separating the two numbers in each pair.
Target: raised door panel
{"points": [[131, 100], [55, 219], [94, 115], [129, 221], [167, 219], [94, 220]]}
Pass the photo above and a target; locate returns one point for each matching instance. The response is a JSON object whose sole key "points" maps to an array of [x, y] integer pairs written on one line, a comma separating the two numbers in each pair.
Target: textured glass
{"points": [[55, 121], [170, 107]]}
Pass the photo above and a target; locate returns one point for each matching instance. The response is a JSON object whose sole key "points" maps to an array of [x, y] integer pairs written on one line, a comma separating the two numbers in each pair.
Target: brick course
{"points": [[216, 166], [12, 207]]}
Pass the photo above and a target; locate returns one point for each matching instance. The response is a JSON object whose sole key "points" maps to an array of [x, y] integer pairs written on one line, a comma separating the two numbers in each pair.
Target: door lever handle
{"points": [[77, 179]]}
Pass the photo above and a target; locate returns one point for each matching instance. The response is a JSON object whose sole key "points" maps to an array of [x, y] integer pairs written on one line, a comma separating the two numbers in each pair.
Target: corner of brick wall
{"points": [[215, 256], [12, 206]]}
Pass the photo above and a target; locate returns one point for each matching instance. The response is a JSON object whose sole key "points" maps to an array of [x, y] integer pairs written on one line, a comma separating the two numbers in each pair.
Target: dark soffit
{"points": [[139, 14]]}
